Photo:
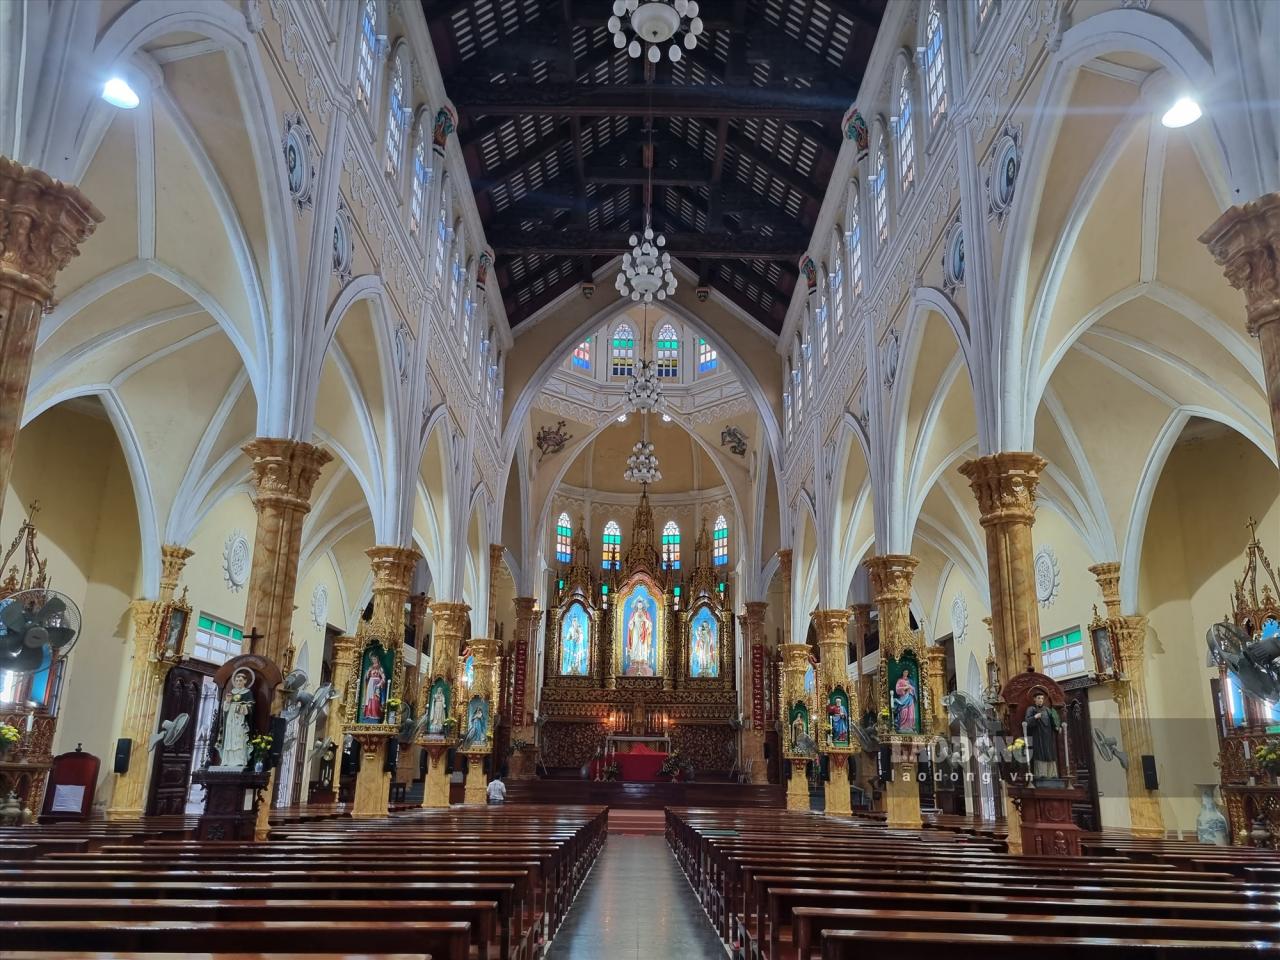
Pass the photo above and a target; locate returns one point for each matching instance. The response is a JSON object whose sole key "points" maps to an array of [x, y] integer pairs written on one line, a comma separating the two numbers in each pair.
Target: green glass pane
{"points": [[604, 588], [237, 634], [205, 623], [222, 628]]}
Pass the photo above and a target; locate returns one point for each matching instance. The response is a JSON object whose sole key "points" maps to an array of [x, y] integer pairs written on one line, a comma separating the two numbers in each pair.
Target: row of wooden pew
{"points": [[792, 886], [473, 883]]}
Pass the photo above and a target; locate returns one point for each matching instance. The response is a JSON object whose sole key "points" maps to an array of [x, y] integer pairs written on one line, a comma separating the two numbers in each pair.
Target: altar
{"points": [[630, 743]]}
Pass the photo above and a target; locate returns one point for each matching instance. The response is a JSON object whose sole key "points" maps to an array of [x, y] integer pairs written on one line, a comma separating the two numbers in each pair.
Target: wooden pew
{"points": [[911, 945]]}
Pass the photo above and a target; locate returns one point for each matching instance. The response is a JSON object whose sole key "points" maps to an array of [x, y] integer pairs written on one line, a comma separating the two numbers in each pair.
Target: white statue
{"points": [[237, 708], [435, 719]]}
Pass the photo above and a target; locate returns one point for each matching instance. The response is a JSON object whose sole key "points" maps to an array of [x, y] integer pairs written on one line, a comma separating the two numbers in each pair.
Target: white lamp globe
{"points": [[633, 49], [690, 41]]}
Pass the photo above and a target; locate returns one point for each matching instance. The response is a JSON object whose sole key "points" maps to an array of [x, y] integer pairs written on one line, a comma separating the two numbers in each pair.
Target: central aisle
{"points": [[636, 905]]}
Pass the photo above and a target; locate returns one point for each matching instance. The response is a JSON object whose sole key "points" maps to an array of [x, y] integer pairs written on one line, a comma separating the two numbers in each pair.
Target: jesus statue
{"points": [[639, 643]]}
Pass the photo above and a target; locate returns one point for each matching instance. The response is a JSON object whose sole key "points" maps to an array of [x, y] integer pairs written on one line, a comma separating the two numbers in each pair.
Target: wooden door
{"points": [[1080, 742], [171, 770]]}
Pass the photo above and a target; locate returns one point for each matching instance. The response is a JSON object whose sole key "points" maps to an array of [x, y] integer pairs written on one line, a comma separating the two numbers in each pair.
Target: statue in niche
{"points": [[1042, 724], [237, 708]]}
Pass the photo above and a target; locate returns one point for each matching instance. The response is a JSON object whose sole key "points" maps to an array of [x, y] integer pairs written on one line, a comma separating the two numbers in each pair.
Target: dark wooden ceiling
{"points": [[555, 123]]}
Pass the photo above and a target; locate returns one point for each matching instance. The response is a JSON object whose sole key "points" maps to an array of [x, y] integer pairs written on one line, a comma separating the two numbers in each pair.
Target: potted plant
{"points": [[9, 736], [1267, 757], [259, 749], [672, 766]]}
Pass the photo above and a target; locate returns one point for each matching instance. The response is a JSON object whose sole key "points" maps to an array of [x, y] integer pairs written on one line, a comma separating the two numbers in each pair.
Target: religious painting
{"points": [[704, 644], [437, 707], [377, 667], [838, 717], [798, 727], [810, 680], [575, 642], [468, 668], [905, 714], [175, 631], [641, 633], [476, 732]]}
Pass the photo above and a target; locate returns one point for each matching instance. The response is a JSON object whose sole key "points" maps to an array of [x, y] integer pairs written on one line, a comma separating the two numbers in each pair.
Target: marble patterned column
{"points": [[413, 692], [344, 653], [42, 224], [524, 677], [891, 576], [485, 651], [864, 770], [1130, 694], [449, 624], [795, 661], [392, 573], [1005, 487], [146, 683], [1245, 242], [832, 626], [757, 648], [284, 473]]}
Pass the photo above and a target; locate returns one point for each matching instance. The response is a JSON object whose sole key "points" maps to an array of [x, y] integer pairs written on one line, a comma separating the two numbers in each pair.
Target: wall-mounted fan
{"points": [[1108, 749], [301, 702], [170, 731], [33, 622]]}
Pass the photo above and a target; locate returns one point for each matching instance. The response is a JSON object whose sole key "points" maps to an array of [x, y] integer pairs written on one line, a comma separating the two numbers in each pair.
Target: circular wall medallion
{"points": [[343, 244], [236, 557], [299, 160], [1048, 576], [953, 259], [320, 605], [959, 618], [891, 348], [1007, 159]]}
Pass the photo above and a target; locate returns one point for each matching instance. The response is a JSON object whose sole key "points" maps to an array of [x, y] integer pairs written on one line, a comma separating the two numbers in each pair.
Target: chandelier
{"points": [[643, 392], [655, 23], [642, 465], [646, 268]]}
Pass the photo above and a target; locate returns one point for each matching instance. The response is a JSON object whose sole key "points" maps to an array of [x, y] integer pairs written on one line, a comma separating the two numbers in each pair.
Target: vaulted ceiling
{"points": [[555, 124]]}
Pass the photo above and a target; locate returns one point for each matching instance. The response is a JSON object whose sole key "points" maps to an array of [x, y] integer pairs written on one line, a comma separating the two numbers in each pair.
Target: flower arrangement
{"points": [[672, 766], [9, 735], [394, 703], [518, 744], [1267, 756], [259, 747], [611, 772]]}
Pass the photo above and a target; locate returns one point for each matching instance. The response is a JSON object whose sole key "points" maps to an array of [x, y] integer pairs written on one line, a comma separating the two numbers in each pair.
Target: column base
{"points": [[1013, 822], [837, 789], [798, 787], [1146, 819], [369, 798], [123, 813], [902, 801], [753, 750], [435, 789], [477, 786], [262, 825]]}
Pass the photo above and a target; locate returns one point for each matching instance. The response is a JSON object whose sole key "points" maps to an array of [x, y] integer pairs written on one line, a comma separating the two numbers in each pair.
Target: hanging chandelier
{"points": [[654, 23], [643, 392], [642, 465], [646, 268]]}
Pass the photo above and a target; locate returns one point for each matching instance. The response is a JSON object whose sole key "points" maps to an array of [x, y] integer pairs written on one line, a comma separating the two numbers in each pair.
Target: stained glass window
{"points": [[216, 641], [581, 359], [611, 544], [903, 134], [564, 539], [442, 234], [668, 352], [720, 542], [1063, 655], [671, 546], [623, 354], [395, 118], [935, 80], [456, 276], [420, 181], [836, 281], [368, 48], [820, 319], [707, 358], [880, 194], [853, 242]]}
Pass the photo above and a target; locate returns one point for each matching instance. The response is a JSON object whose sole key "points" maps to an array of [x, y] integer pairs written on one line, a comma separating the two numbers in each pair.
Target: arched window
{"points": [[853, 243], [788, 381], [708, 360], [720, 542], [835, 283], [822, 326], [808, 364], [671, 546], [668, 352], [442, 234], [581, 358], [985, 9], [368, 52], [797, 377], [623, 353], [902, 133], [458, 274], [611, 546], [395, 118], [420, 180], [880, 192], [935, 79], [564, 540]]}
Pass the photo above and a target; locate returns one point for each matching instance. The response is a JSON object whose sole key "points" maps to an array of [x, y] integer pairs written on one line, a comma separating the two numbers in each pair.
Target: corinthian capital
{"points": [[285, 470], [1245, 241], [1005, 485], [42, 224], [891, 576]]}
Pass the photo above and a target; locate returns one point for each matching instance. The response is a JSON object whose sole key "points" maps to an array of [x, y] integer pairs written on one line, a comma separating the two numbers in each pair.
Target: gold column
{"points": [[344, 654], [1245, 242], [413, 693], [1005, 486], [146, 681], [449, 623], [866, 698], [284, 472], [1130, 694], [42, 224], [485, 650], [524, 677], [832, 626], [753, 734], [392, 573], [891, 577], [795, 660], [935, 669]]}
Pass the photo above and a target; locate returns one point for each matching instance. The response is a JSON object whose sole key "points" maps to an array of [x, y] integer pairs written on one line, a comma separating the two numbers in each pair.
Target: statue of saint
{"points": [[1042, 724], [435, 715], [639, 642], [375, 682], [237, 708], [904, 704]]}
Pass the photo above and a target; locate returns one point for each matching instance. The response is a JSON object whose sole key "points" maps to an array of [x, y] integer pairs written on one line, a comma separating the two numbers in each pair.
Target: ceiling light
{"points": [[654, 23], [622, 418], [1183, 112], [666, 418], [118, 93]]}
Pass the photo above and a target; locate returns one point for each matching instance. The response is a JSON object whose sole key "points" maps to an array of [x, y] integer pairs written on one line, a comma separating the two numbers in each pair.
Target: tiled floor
{"points": [[636, 905]]}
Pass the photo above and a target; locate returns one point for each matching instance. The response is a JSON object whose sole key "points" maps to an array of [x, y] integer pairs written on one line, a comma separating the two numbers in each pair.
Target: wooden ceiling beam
{"points": [[573, 242]]}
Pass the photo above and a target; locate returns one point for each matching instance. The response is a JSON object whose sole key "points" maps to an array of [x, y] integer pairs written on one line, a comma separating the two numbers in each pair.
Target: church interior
{"points": [[639, 478]]}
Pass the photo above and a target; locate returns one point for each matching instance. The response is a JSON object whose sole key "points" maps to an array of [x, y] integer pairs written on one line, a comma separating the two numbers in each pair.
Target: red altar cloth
{"points": [[636, 766]]}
